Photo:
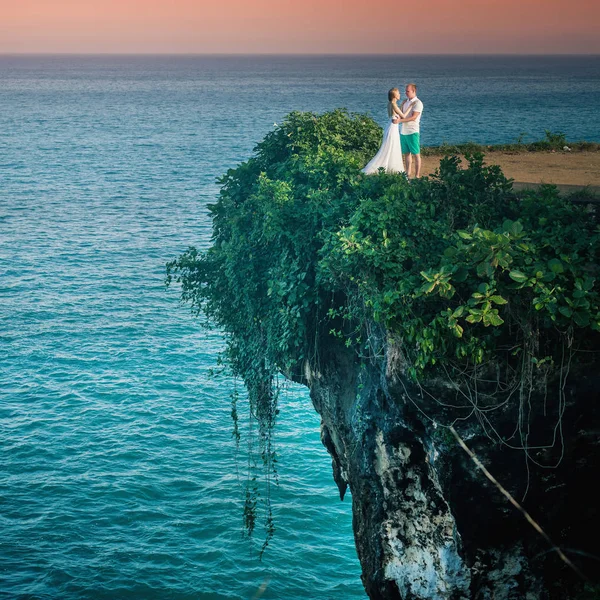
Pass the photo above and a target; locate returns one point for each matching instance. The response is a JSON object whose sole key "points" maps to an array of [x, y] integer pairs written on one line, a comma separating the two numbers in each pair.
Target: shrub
{"points": [[465, 273]]}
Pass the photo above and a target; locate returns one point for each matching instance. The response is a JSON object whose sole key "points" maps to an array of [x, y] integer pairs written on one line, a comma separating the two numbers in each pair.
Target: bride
{"points": [[389, 155]]}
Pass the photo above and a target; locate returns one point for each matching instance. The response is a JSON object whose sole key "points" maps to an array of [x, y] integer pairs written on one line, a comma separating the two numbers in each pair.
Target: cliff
{"points": [[415, 311], [427, 523]]}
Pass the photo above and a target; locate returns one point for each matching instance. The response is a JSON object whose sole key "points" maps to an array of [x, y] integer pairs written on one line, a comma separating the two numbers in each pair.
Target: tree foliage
{"points": [[456, 266]]}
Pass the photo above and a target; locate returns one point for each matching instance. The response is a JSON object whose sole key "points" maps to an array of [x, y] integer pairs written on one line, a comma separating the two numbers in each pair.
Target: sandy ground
{"points": [[576, 168]]}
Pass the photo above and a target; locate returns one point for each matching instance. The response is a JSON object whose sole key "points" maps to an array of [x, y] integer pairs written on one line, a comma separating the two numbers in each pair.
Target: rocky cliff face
{"points": [[427, 523]]}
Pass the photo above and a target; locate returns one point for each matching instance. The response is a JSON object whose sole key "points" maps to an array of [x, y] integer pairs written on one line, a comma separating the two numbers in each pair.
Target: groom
{"points": [[410, 134]]}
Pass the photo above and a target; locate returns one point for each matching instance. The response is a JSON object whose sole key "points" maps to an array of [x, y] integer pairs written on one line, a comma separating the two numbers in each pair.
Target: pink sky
{"points": [[307, 26]]}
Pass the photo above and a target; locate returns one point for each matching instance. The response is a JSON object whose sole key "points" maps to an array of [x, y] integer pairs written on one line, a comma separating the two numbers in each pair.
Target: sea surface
{"points": [[118, 470]]}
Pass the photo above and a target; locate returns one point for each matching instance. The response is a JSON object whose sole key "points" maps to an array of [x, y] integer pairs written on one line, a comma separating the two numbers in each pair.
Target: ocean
{"points": [[118, 470]]}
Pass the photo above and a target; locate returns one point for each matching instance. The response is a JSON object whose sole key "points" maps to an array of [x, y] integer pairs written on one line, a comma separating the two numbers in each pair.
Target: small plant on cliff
{"points": [[466, 277]]}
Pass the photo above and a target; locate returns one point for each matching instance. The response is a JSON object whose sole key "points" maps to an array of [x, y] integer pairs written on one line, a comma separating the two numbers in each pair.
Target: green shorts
{"points": [[411, 144]]}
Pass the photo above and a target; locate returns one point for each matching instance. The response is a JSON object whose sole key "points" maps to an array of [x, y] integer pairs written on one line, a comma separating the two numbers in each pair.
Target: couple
{"points": [[393, 146]]}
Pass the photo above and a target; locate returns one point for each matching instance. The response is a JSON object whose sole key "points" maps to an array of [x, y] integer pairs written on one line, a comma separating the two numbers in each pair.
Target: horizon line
{"points": [[299, 54]]}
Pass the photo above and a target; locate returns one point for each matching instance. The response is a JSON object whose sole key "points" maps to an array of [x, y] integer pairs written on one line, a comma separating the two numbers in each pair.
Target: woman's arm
{"points": [[412, 117], [397, 111]]}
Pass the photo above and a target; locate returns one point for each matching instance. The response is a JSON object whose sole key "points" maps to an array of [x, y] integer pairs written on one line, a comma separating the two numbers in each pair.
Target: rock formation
{"points": [[427, 523]]}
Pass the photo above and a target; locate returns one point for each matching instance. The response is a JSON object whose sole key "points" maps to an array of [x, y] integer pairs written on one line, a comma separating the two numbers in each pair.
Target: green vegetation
{"points": [[457, 272], [551, 142]]}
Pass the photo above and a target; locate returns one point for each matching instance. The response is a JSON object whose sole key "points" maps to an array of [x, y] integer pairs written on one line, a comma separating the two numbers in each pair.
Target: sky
{"points": [[305, 26]]}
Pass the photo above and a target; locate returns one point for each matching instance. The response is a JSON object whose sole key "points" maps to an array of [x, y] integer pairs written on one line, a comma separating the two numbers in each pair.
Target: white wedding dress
{"points": [[389, 155]]}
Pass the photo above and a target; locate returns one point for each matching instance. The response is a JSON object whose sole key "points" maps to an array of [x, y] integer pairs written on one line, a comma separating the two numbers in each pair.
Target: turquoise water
{"points": [[118, 477]]}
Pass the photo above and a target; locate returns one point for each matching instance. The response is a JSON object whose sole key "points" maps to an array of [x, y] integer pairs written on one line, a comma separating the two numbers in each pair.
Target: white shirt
{"points": [[414, 105]]}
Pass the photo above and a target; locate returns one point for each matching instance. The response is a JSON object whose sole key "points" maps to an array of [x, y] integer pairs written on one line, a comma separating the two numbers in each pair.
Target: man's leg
{"points": [[408, 161], [415, 140], [418, 165]]}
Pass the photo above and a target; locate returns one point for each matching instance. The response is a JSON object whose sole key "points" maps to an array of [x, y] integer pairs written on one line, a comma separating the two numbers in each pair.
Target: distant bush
{"points": [[551, 141]]}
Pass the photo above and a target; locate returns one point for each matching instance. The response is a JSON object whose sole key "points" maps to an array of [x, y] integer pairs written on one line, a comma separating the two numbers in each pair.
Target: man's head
{"points": [[411, 91]]}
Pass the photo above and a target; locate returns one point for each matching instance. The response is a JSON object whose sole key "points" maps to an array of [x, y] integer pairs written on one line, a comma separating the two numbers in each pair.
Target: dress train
{"points": [[389, 155]]}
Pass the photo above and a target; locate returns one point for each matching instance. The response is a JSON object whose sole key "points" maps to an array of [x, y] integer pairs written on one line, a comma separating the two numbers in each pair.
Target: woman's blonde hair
{"points": [[391, 93]]}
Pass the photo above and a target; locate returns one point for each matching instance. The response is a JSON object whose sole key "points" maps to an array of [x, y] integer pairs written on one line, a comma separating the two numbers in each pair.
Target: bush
{"points": [[461, 270], [551, 141]]}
